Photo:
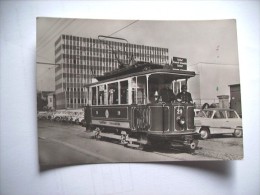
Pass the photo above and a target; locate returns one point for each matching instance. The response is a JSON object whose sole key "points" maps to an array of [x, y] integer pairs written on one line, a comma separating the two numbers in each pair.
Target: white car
{"points": [[42, 115], [59, 115], [74, 116], [218, 121]]}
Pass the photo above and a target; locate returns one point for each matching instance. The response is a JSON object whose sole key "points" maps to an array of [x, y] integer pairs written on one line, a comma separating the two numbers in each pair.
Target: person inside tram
{"points": [[167, 94], [184, 96], [112, 96], [155, 98]]}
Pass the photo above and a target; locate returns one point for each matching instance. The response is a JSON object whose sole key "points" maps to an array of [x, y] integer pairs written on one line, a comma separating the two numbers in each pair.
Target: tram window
{"points": [[101, 94], [133, 84], [112, 93], [124, 92], [177, 86], [141, 89], [94, 96]]}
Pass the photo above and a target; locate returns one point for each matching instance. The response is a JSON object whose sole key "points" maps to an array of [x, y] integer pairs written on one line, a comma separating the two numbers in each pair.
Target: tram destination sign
{"points": [[179, 63]]}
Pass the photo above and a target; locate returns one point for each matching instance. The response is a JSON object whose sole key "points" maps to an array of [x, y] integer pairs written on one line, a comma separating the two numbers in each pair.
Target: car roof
{"points": [[219, 109]]}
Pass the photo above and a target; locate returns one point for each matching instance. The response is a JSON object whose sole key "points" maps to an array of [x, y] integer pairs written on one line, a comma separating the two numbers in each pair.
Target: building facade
{"points": [[81, 59]]}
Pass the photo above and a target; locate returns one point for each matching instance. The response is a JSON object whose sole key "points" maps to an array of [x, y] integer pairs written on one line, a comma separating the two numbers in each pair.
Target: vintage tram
{"points": [[121, 105]]}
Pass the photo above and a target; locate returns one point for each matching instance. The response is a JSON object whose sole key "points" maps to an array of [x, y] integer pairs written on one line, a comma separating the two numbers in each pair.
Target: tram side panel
{"points": [[110, 117], [143, 118]]}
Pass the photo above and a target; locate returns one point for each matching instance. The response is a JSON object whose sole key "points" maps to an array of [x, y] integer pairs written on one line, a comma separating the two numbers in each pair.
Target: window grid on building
{"points": [[82, 58]]}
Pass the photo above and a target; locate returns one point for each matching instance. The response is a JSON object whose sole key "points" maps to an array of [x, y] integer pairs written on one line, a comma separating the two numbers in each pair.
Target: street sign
{"points": [[179, 63]]}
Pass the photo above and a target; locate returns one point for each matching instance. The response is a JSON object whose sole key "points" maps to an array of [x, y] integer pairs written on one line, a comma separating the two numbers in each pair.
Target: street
{"points": [[63, 144]]}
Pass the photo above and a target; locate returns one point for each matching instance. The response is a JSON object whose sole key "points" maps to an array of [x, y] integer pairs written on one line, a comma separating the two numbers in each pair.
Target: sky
{"points": [[213, 41]]}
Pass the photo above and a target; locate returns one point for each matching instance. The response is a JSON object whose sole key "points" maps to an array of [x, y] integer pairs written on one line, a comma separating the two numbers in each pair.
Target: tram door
{"points": [[140, 110], [151, 118], [140, 117]]}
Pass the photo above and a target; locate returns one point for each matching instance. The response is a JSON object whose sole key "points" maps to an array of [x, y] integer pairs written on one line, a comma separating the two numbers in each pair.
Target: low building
{"points": [[45, 100], [212, 80], [235, 98]]}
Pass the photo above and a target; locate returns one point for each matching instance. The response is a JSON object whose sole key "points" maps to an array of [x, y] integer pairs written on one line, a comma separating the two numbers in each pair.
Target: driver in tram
{"points": [[184, 96]]}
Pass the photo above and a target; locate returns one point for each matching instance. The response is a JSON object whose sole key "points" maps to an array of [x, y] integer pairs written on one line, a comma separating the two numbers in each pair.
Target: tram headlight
{"points": [[181, 120]]}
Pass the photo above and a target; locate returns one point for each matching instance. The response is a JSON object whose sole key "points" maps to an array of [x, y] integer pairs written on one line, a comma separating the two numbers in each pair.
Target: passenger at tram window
{"points": [[111, 93], [112, 96], [101, 98], [167, 94], [155, 98], [184, 96]]}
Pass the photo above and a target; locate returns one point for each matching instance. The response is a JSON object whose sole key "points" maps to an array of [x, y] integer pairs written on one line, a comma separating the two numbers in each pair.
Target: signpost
{"points": [[179, 63]]}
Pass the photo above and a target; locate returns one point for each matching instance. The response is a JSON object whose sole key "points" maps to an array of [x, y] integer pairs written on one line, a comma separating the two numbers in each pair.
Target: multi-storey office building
{"points": [[80, 59]]}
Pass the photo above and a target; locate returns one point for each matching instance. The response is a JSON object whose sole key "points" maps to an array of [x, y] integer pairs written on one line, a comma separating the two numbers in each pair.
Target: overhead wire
{"points": [[48, 32], [55, 35], [123, 27]]}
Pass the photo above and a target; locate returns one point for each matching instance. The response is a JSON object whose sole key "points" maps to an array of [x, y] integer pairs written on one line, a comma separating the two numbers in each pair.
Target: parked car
{"points": [[218, 121], [42, 115], [59, 115], [74, 116]]}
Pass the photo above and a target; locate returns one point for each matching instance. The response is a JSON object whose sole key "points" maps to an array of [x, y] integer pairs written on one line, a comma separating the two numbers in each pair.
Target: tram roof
{"points": [[142, 68]]}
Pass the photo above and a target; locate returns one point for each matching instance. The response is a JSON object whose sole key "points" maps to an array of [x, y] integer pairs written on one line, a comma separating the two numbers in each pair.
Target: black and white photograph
{"points": [[129, 97], [137, 91]]}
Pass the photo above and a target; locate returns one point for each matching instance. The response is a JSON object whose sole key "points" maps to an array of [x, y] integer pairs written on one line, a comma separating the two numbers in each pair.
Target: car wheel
{"points": [[204, 133], [238, 133]]}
